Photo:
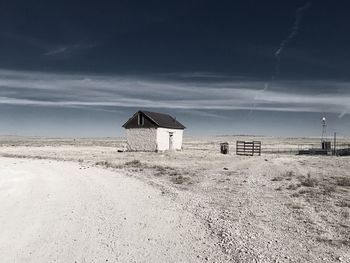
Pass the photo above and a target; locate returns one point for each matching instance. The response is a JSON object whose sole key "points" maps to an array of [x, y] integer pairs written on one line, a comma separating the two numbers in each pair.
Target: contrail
{"points": [[345, 112], [295, 29]]}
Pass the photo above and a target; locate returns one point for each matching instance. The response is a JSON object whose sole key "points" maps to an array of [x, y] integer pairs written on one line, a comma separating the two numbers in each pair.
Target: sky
{"points": [[82, 68]]}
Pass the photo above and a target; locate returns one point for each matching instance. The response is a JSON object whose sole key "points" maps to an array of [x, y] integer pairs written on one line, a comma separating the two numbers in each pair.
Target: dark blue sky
{"points": [[81, 68]]}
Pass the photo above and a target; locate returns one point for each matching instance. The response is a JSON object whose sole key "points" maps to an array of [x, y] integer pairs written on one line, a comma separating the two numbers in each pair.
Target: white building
{"points": [[152, 131]]}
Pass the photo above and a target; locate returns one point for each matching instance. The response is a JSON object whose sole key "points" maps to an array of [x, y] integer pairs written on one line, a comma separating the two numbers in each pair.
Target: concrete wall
{"points": [[163, 139], [143, 139], [152, 139]]}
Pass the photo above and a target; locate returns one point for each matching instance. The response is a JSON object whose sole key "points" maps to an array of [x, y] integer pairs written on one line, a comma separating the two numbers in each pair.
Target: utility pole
{"points": [[335, 143]]}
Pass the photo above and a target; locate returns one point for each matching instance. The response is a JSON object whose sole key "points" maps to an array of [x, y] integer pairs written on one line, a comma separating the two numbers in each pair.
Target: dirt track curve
{"points": [[63, 212]]}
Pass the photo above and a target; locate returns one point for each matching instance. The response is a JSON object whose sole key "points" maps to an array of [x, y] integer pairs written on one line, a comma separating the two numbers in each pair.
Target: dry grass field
{"points": [[277, 207]]}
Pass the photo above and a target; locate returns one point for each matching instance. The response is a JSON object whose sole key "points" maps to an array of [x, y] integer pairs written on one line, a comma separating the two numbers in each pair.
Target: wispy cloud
{"points": [[96, 91], [52, 50], [56, 51], [295, 29], [67, 50]]}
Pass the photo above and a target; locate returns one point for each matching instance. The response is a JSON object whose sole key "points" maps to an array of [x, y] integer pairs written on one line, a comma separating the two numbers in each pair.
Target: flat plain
{"points": [[195, 205]]}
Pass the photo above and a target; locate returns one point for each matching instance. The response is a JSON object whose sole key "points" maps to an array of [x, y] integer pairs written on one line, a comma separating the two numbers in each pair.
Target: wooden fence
{"points": [[248, 148]]}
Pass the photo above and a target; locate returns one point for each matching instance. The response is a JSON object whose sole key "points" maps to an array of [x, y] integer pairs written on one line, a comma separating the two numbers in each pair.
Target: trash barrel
{"points": [[224, 148]]}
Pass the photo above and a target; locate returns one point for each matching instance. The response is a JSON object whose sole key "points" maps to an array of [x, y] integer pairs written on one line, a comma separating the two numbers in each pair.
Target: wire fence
{"points": [[341, 148]]}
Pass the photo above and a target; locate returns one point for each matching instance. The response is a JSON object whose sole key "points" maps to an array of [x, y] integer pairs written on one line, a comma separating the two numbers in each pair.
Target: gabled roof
{"points": [[159, 119]]}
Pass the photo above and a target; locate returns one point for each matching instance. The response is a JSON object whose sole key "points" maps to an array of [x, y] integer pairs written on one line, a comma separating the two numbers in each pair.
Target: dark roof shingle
{"points": [[163, 120], [157, 119]]}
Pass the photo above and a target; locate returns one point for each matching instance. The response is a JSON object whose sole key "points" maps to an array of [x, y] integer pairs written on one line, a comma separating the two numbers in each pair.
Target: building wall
{"points": [[163, 138], [142, 139]]}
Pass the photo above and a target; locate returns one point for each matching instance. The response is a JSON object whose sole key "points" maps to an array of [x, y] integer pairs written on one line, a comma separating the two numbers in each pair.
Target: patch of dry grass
{"points": [[277, 178], [158, 170], [344, 203], [329, 189], [343, 181], [345, 214], [38, 157], [334, 242], [180, 179], [309, 181], [293, 186], [286, 176], [108, 164], [296, 194], [303, 192], [134, 163], [296, 206], [289, 173]]}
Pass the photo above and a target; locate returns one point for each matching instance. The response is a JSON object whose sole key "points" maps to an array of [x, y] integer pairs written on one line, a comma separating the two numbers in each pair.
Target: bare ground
{"points": [[273, 208], [62, 212]]}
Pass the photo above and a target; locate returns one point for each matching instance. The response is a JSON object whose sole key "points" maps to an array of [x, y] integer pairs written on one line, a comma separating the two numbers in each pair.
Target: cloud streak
{"points": [[100, 91], [51, 50], [295, 29], [67, 50]]}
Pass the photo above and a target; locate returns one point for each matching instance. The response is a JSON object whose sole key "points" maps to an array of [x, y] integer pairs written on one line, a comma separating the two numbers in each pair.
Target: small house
{"points": [[152, 131]]}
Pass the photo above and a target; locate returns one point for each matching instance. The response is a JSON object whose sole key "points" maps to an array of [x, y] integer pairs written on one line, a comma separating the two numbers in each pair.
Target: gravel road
{"points": [[65, 212]]}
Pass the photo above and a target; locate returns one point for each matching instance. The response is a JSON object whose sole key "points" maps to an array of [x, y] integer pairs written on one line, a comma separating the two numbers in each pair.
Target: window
{"points": [[140, 120]]}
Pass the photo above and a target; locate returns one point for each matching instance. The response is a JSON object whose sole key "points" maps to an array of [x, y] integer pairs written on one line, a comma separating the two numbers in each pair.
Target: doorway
{"points": [[171, 141]]}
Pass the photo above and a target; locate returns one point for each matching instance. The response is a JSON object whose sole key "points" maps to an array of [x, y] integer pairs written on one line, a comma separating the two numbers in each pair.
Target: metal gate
{"points": [[248, 148]]}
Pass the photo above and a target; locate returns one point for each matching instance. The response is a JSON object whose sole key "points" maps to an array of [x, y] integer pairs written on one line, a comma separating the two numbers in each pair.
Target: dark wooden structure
{"points": [[248, 148], [224, 148]]}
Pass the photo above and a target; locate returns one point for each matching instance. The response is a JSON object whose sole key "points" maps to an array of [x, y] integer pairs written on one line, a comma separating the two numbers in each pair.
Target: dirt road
{"points": [[65, 212]]}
